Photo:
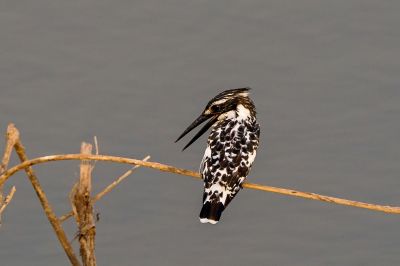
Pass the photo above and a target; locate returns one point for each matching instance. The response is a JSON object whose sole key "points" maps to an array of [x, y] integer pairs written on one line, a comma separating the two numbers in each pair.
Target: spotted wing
{"points": [[231, 150]]}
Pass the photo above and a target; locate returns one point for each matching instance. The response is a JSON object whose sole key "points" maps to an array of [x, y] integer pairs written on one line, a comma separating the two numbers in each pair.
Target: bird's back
{"points": [[231, 150]]}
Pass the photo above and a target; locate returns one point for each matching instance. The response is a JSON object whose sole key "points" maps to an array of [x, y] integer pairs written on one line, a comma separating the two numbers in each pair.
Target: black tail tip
{"points": [[211, 212]]}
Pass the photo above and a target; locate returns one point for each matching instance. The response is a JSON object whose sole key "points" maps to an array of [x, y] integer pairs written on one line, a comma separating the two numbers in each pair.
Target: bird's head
{"points": [[227, 104]]}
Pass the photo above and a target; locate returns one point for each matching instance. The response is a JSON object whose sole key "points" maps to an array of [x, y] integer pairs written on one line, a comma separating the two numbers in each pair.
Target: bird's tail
{"points": [[211, 212], [215, 203]]}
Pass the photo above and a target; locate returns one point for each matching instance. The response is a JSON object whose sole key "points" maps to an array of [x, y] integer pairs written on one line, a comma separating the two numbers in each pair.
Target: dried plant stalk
{"points": [[117, 181], [11, 137], [83, 209], [51, 216], [7, 201]]}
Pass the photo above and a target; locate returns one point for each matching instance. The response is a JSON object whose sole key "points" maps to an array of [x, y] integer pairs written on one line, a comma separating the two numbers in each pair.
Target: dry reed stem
{"points": [[7, 201], [19, 148], [83, 209], [172, 169], [11, 138], [107, 190], [117, 181]]}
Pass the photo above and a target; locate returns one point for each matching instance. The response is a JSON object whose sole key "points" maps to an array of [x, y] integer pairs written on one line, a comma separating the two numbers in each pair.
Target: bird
{"points": [[231, 149]]}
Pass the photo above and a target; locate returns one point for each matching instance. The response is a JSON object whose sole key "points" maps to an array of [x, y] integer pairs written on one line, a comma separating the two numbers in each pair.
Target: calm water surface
{"points": [[325, 78]]}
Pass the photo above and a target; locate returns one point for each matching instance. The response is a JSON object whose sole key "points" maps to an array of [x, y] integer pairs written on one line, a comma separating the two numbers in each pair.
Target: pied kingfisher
{"points": [[231, 149]]}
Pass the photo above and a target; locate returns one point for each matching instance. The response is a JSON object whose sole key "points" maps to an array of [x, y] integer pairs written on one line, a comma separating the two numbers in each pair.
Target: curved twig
{"points": [[12, 137], [7, 201], [180, 171]]}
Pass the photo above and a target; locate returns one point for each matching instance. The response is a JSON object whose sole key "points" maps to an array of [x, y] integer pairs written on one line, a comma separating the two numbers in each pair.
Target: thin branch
{"points": [[11, 138], [158, 166], [180, 171], [19, 148], [117, 181], [107, 190], [7, 201], [96, 145], [314, 196]]}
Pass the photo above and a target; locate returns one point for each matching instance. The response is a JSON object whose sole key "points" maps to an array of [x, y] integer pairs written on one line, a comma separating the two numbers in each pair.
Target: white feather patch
{"points": [[242, 112], [205, 220]]}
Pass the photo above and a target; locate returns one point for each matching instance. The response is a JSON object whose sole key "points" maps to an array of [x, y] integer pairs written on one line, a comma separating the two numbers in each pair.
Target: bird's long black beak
{"points": [[195, 123]]}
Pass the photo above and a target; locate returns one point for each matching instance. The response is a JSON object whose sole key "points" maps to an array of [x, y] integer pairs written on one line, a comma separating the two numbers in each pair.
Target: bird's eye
{"points": [[215, 108]]}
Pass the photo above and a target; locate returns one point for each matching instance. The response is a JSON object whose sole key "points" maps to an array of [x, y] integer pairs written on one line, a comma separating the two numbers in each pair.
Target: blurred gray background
{"points": [[325, 79]]}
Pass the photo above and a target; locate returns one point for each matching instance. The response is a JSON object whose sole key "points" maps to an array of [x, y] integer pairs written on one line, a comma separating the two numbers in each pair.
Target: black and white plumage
{"points": [[231, 149]]}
